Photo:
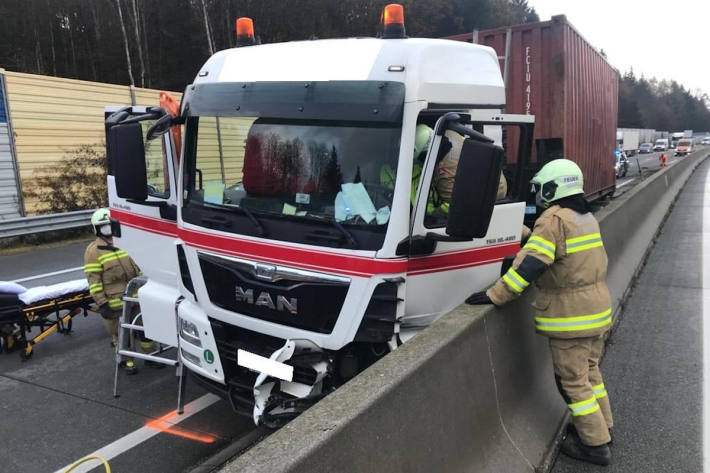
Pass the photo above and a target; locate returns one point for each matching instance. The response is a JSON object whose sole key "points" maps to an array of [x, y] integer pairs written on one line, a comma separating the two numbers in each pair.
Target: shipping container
{"points": [[552, 72]]}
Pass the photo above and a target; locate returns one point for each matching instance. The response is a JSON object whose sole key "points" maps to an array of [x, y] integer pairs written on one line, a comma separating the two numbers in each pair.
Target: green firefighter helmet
{"points": [[100, 218], [422, 137], [558, 179]]}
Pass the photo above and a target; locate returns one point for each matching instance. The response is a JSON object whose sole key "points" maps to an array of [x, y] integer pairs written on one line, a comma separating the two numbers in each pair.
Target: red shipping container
{"points": [[573, 91]]}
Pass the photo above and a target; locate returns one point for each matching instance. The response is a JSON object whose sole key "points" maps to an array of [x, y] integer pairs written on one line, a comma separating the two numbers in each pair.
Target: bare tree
{"points": [[38, 52], [228, 18], [125, 43], [145, 45], [210, 41], [139, 44], [51, 41]]}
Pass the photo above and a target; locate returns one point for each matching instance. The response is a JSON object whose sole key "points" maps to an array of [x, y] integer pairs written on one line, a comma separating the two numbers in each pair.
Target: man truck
{"points": [[294, 237]]}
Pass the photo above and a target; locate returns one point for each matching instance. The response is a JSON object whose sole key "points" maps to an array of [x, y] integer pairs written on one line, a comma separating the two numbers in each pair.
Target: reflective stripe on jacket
{"points": [[108, 270], [388, 178], [569, 269]]}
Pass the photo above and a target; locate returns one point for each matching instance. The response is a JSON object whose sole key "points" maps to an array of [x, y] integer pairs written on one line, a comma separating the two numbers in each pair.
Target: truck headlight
{"points": [[189, 333]]}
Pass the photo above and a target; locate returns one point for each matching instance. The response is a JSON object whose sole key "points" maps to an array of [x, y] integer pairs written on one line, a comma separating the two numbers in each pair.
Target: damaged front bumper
{"points": [[288, 381], [268, 379]]}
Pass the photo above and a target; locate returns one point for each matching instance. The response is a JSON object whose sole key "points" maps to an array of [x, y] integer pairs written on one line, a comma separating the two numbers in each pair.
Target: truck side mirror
{"points": [[127, 157], [475, 189]]}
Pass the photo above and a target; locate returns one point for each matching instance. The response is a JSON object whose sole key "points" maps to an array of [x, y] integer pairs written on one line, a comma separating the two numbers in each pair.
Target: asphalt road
{"points": [[641, 166], [44, 261], [58, 407], [654, 368]]}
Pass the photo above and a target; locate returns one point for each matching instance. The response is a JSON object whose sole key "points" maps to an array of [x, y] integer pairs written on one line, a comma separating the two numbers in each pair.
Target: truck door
{"points": [[441, 280], [148, 228]]}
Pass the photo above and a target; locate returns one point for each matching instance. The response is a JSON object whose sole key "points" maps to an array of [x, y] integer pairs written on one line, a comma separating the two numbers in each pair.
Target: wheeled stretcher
{"points": [[49, 309]]}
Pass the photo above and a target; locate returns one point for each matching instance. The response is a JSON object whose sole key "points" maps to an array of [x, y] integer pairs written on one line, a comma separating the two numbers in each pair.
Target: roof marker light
{"points": [[393, 22], [245, 32]]}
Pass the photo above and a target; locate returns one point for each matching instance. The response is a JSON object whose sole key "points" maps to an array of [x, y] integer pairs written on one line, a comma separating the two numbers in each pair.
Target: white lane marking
{"points": [[627, 182], [706, 327], [46, 275], [139, 436]]}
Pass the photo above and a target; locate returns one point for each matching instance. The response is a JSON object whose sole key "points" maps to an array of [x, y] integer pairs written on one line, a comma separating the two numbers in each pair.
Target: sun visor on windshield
{"points": [[368, 101]]}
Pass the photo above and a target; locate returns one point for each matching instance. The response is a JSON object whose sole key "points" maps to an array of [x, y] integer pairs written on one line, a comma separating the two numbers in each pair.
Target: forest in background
{"points": [[661, 105], [168, 40]]}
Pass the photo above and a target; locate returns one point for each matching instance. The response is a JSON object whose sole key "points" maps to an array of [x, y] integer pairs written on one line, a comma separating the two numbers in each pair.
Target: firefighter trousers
{"points": [[111, 326], [576, 365]]}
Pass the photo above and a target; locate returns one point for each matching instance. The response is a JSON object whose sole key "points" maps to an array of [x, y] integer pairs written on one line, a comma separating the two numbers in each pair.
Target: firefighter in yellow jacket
{"points": [[108, 271], [565, 258]]}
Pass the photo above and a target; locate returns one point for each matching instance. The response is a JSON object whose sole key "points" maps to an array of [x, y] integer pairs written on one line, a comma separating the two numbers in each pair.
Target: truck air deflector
{"points": [[368, 101]]}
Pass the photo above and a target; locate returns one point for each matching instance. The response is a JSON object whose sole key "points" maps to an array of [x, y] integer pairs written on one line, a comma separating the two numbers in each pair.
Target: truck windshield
{"points": [[307, 181]]}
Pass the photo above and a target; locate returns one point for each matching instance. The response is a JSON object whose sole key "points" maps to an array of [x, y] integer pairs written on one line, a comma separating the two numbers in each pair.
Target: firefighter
{"points": [[388, 176], [565, 258], [108, 271], [663, 158], [443, 179], [448, 165]]}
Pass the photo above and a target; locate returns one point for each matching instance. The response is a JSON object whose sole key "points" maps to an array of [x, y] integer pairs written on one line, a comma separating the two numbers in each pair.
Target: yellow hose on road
{"points": [[86, 459]]}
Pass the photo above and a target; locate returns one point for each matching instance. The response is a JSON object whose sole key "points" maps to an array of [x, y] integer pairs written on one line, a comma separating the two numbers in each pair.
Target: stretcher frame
{"points": [[47, 316]]}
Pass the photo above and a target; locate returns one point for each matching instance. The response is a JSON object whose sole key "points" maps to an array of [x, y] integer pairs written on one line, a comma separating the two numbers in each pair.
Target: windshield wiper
{"points": [[351, 241], [250, 215]]}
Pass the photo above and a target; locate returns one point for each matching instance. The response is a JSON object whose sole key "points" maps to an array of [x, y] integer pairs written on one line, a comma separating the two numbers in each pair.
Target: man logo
{"points": [[264, 299]]}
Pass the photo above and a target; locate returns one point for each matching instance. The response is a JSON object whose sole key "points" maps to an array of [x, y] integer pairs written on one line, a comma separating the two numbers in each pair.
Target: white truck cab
{"points": [[297, 239]]}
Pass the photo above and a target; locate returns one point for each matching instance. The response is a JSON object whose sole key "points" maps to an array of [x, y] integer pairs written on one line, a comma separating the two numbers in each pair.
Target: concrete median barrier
{"points": [[473, 392]]}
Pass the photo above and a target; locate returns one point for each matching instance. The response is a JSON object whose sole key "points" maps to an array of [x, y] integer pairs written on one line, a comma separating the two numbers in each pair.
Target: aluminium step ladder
{"points": [[126, 346]]}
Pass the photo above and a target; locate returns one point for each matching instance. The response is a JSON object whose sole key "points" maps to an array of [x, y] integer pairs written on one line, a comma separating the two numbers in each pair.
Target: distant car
{"points": [[684, 146], [621, 164], [646, 148], [661, 144], [706, 141]]}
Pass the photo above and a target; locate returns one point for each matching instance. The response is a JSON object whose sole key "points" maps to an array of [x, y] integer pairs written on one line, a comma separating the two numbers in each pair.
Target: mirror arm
{"points": [[473, 134], [452, 121], [416, 245], [143, 117], [118, 116]]}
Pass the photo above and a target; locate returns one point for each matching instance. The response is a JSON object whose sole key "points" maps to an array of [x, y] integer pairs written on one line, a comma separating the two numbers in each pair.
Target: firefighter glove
{"points": [[479, 298], [106, 312]]}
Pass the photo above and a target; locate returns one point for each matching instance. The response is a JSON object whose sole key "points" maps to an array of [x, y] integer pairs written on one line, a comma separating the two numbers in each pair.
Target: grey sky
{"points": [[662, 39]]}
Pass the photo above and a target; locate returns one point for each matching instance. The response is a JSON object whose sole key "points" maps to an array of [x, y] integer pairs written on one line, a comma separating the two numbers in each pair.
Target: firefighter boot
{"points": [[573, 447], [129, 367]]}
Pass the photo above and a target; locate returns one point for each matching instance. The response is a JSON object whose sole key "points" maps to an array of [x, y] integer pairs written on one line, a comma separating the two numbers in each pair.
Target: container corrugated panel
{"points": [[554, 74], [9, 199], [53, 116]]}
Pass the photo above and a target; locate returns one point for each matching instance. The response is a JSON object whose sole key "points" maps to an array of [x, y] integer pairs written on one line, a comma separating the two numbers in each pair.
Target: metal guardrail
{"points": [[14, 227]]}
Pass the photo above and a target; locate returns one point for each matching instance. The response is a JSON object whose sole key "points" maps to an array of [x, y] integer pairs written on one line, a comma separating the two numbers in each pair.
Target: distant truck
{"points": [[675, 137], [687, 133], [628, 141], [661, 144]]}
